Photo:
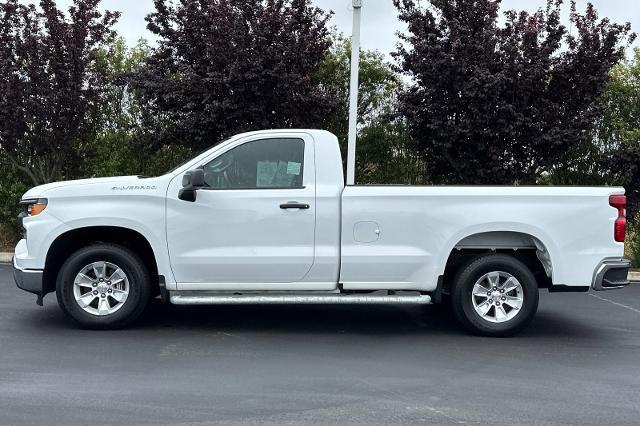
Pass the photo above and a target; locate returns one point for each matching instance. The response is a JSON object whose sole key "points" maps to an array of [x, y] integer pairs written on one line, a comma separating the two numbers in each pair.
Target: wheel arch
{"points": [[70, 241], [524, 245]]}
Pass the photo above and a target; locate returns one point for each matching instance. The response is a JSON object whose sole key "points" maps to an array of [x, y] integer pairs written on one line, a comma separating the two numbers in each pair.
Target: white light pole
{"points": [[353, 93]]}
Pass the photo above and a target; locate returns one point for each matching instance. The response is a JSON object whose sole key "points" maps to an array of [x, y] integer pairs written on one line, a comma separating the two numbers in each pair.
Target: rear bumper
{"points": [[611, 274], [28, 279]]}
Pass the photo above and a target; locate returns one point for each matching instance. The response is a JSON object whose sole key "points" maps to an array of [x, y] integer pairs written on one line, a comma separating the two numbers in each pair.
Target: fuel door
{"points": [[366, 232]]}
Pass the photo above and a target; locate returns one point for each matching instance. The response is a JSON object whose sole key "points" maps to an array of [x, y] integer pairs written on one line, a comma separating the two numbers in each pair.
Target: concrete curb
{"points": [[6, 258]]}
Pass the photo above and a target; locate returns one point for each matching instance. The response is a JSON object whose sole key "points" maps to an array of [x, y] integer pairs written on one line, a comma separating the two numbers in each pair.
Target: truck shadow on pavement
{"points": [[327, 319], [432, 320]]}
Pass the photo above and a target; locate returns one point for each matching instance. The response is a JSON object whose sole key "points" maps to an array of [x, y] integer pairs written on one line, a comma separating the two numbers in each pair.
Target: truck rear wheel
{"points": [[103, 286], [495, 295]]}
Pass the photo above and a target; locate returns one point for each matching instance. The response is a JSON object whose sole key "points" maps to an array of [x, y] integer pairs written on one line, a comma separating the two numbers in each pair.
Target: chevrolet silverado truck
{"points": [[265, 217]]}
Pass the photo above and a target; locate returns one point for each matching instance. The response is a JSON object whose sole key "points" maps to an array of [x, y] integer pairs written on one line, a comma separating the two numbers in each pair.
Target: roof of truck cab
{"points": [[275, 131]]}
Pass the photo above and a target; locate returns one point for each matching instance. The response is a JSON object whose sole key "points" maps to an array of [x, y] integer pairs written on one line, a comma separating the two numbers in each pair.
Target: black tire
{"points": [[465, 280], [136, 273]]}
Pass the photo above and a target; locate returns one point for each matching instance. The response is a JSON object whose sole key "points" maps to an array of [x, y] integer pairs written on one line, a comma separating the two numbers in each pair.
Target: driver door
{"points": [[252, 226]]}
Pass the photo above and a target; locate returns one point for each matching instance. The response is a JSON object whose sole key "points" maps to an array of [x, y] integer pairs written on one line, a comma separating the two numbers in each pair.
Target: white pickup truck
{"points": [[265, 217]]}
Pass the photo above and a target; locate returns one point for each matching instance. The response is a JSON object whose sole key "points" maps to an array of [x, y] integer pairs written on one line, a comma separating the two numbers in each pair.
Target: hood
{"points": [[40, 191]]}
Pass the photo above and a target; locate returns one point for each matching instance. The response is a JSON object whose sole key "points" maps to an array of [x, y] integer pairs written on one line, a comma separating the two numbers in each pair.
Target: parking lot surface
{"points": [[578, 363]]}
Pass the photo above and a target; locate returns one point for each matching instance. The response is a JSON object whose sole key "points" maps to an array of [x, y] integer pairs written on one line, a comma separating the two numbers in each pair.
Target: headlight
{"points": [[33, 206]]}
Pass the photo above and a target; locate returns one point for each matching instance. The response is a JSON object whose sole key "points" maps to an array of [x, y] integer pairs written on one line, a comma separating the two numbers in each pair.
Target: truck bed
{"points": [[400, 237]]}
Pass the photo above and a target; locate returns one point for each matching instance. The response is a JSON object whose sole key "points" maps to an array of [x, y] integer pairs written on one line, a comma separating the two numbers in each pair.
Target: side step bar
{"points": [[201, 298]]}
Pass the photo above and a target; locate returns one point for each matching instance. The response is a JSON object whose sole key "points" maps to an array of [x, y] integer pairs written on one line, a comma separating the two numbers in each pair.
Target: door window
{"points": [[265, 163]]}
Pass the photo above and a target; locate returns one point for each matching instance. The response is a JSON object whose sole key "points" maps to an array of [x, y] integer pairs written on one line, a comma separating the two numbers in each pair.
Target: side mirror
{"points": [[191, 182]]}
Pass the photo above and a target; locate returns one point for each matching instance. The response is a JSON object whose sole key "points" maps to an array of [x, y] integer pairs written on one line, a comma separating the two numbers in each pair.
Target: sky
{"points": [[379, 18]]}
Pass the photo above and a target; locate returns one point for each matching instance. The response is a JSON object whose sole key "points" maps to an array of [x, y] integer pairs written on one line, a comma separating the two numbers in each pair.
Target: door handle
{"points": [[294, 205]]}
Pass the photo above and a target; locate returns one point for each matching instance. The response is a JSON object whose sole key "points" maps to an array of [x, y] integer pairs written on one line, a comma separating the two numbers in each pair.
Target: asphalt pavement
{"points": [[578, 363]]}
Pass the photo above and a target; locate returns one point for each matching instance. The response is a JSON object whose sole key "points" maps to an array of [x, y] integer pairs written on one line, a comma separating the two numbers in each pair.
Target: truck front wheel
{"points": [[495, 295], [103, 286]]}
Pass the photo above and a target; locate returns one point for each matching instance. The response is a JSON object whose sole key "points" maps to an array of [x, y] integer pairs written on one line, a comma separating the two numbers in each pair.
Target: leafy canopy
{"points": [[223, 66], [619, 133], [49, 83], [503, 104]]}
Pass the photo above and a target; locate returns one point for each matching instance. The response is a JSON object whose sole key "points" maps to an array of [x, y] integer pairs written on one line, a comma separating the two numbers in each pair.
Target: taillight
{"points": [[619, 228]]}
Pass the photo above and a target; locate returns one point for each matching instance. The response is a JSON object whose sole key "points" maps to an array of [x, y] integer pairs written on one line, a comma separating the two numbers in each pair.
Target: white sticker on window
{"points": [[265, 173], [293, 168]]}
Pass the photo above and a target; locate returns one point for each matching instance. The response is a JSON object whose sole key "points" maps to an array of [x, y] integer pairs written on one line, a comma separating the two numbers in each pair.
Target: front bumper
{"points": [[611, 274], [28, 279]]}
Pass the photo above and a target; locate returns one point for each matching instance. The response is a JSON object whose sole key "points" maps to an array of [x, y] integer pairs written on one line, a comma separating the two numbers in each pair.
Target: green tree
{"points": [[120, 118], [619, 133], [618, 142], [383, 155], [377, 85], [125, 142], [621, 123], [13, 184]]}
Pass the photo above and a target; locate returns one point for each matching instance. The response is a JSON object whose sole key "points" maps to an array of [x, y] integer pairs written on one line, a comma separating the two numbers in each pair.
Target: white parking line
{"points": [[615, 303]]}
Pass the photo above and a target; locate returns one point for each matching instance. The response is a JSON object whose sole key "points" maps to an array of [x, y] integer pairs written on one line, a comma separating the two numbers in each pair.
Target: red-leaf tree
{"points": [[224, 66], [498, 104], [49, 90]]}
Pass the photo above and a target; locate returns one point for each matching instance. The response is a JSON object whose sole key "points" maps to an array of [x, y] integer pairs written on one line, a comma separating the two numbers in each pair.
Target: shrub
{"points": [[12, 185], [632, 246]]}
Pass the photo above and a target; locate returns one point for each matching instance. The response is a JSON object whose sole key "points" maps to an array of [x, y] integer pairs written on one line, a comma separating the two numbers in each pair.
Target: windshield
{"points": [[195, 156]]}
